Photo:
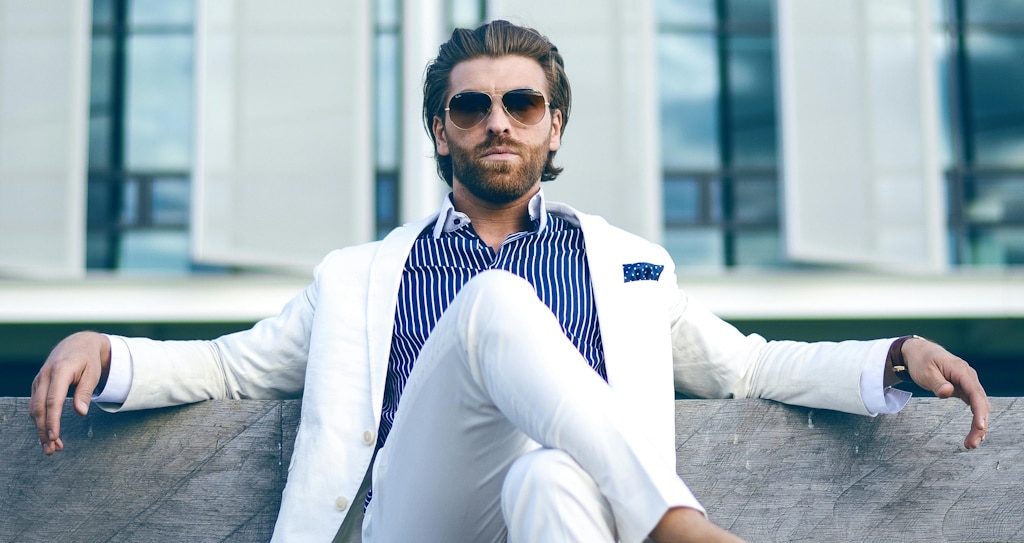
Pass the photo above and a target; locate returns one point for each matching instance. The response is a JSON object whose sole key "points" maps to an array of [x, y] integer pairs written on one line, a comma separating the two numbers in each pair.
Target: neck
{"points": [[494, 222]]}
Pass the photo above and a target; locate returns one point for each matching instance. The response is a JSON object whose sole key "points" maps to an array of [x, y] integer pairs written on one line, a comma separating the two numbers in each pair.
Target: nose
{"points": [[498, 120]]}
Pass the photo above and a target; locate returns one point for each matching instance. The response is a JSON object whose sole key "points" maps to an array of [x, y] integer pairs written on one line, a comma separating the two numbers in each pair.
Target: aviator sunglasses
{"points": [[467, 109]]}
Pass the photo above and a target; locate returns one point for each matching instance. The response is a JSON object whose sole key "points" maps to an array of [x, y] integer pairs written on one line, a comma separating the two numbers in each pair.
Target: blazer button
{"points": [[369, 437], [341, 503]]}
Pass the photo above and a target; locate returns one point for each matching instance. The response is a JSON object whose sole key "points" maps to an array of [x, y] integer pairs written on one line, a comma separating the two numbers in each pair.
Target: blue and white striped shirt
{"points": [[552, 257]]}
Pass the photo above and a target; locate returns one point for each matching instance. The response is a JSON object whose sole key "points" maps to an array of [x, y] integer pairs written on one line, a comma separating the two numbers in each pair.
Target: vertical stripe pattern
{"points": [[552, 258]]}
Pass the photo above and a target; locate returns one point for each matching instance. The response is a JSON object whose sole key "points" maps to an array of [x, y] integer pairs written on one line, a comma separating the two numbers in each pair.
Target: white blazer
{"points": [[330, 344]]}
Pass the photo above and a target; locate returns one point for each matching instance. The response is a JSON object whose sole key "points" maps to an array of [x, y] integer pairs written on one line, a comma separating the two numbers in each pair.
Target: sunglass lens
{"points": [[467, 109], [526, 106]]}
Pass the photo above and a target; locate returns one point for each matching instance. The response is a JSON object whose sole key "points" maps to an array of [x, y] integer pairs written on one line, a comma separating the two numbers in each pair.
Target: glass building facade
{"points": [[719, 132]]}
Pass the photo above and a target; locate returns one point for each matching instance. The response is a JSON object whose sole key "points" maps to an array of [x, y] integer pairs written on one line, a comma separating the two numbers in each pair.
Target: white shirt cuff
{"points": [[877, 398], [119, 378]]}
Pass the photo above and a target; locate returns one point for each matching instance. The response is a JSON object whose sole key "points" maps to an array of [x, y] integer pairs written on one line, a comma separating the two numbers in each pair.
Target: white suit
{"points": [[332, 341]]}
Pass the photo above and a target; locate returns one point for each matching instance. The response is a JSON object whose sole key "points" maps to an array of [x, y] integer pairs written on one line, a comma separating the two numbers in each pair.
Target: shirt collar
{"points": [[449, 220]]}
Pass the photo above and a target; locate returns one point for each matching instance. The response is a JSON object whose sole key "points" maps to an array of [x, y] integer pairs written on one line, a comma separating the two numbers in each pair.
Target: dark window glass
{"points": [[682, 201], [140, 132], [756, 201], [997, 246], [158, 102], [388, 66], [994, 11], [689, 88], [758, 248], [997, 98], [752, 89], [750, 11]]}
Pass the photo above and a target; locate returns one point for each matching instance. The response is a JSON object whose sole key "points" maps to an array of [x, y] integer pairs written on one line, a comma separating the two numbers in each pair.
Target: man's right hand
{"points": [[81, 360]]}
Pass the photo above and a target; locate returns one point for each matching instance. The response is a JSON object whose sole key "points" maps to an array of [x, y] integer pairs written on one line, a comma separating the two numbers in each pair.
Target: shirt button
{"points": [[341, 503], [369, 438]]}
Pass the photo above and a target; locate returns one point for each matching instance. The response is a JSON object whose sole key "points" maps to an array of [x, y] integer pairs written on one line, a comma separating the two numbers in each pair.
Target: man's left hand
{"points": [[934, 368]]}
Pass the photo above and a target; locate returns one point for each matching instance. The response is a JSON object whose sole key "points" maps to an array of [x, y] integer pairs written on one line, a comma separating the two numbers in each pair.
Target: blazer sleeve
{"points": [[712, 359], [268, 361]]}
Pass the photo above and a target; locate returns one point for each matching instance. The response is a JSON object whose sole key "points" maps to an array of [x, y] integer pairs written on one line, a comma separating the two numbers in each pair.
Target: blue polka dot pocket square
{"points": [[641, 271]]}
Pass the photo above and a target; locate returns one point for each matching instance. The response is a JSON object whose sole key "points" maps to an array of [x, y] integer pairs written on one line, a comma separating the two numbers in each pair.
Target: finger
{"points": [[56, 393], [944, 389], [84, 389], [980, 407], [37, 405]]}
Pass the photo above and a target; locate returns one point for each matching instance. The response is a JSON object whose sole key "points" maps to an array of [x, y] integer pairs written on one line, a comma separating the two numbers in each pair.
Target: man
{"points": [[534, 349]]}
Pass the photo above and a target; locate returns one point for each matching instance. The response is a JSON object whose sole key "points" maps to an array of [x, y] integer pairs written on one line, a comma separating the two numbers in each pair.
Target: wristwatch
{"points": [[895, 358]]}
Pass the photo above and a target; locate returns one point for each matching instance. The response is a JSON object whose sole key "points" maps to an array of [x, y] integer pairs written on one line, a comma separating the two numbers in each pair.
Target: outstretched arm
{"points": [[81, 360], [934, 368]]}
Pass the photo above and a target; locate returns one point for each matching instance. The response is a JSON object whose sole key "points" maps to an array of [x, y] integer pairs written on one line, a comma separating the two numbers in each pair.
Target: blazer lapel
{"points": [[382, 299], [634, 328]]}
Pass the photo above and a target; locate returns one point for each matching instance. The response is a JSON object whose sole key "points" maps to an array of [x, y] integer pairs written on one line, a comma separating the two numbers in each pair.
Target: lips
{"points": [[500, 150]]}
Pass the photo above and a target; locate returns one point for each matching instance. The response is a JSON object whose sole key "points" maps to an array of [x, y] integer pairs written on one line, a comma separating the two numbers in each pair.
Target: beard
{"points": [[498, 182]]}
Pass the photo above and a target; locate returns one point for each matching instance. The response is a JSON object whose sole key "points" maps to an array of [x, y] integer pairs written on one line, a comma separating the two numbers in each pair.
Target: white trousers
{"points": [[504, 431]]}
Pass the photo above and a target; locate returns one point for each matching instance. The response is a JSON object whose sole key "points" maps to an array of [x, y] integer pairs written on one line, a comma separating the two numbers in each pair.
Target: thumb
{"points": [[944, 389]]}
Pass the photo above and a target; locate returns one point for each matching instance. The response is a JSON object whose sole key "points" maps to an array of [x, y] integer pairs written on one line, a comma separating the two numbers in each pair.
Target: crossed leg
{"points": [[496, 381]]}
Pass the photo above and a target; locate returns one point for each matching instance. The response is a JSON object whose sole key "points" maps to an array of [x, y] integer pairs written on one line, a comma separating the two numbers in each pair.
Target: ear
{"points": [[440, 137], [556, 130]]}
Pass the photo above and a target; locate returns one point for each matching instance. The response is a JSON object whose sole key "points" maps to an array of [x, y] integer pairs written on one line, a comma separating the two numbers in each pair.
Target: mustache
{"points": [[500, 140]]}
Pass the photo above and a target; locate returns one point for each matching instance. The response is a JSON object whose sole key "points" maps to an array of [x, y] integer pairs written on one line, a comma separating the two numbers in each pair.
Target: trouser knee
{"points": [[547, 494]]}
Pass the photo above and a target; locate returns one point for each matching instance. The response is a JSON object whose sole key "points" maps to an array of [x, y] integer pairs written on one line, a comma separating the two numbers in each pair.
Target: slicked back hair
{"points": [[494, 39]]}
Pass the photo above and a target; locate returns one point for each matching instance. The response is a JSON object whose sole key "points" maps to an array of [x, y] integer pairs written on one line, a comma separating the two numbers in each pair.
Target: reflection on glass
{"points": [[997, 200], [159, 102], [752, 81], [758, 249], [98, 211], [154, 250], [387, 101], [685, 12], [1000, 246], [160, 12], [387, 203], [130, 203], [101, 70], [994, 11], [389, 12], [750, 11], [688, 89], [682, 201], [97, 250], [941, 47], [997, 102], [171, 201], [695, 249], [99, 141], [755, 201], [102, 12]]}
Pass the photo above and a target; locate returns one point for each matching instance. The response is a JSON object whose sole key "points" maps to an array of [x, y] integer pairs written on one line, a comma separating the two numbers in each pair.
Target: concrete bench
{"points": [[214, 472]]}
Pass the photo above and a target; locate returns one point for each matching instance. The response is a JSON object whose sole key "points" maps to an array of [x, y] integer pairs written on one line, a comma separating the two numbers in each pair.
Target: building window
{"points": [[981, 44], [140, 135], [719, 150], [388, 108]]}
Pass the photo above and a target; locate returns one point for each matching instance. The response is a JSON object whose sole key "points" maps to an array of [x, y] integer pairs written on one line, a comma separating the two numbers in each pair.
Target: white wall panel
{"points": [[44, 83], [611, 149], [859, 111], [283, 166]]}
